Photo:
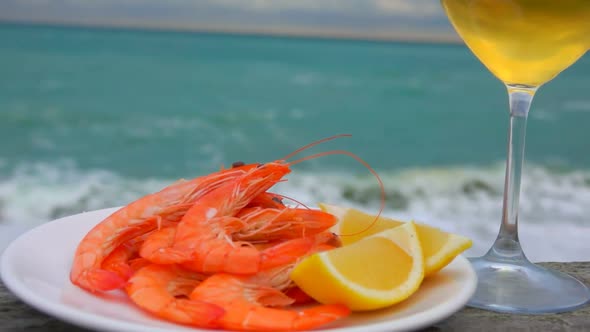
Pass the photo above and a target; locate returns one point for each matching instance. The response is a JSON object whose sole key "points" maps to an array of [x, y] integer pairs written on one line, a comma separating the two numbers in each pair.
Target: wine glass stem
{"points": [[507, 245]]}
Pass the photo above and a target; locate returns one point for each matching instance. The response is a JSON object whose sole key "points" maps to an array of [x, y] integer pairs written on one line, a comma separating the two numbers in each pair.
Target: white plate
{"points": [[35, 267]]}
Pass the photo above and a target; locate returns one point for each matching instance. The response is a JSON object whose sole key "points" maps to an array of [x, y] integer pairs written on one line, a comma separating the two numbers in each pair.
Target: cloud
{"points": [[286, 5], [423, 8], [362, 15], [383, 7], [419, 8]]}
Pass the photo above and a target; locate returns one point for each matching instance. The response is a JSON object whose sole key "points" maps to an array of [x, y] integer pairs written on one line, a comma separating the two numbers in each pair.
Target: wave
{"points": [[465, 200], [35, 193]]}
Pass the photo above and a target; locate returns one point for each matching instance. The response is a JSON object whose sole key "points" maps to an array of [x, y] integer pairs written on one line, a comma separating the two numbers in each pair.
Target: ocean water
{"points": [[95, 118]]}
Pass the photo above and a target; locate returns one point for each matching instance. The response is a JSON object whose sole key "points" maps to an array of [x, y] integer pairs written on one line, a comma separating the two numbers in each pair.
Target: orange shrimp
{"points": [[220, 255], [245, 300], [203, 236], [170, 204], [285, 223], [139, 217], [247, 234], [203, 239], [159, 289], [282, 250]]}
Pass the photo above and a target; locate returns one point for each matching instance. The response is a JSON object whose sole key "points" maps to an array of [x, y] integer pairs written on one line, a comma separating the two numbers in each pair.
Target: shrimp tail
{"points": [[99, 280]]}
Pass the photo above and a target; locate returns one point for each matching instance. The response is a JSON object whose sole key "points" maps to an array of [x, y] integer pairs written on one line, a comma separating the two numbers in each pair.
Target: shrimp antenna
{"points": [[312, 144], [364, 163]]}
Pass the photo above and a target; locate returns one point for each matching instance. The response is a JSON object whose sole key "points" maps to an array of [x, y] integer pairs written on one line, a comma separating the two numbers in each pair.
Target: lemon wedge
{"points": [[439, 247], [375, 272]]}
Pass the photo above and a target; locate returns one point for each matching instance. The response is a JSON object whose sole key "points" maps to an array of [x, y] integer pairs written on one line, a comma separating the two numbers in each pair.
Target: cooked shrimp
{"points": [[222, 255], [139, 217], [247, 298], [205, 230], [285, 223], [170, 205], [243, 299], [245, 255], [159, 289]]}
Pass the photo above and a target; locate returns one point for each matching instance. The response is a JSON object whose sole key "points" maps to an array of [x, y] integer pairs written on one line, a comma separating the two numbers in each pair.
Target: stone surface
{"points": [[17, 316]]}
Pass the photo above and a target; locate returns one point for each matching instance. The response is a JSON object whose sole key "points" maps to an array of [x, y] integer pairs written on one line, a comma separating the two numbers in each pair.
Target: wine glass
{"points": [[524, 43]]}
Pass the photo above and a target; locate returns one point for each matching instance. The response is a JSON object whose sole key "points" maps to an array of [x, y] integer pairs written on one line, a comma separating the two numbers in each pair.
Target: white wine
{"points": [[523, 41]]}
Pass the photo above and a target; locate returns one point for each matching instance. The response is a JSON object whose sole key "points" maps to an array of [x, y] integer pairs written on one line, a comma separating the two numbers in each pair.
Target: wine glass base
{"points": [[523, 287]]}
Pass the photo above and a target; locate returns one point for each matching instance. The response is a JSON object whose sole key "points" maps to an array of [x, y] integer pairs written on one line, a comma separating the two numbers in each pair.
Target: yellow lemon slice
{"points": [[439, 247], [372, 273]]}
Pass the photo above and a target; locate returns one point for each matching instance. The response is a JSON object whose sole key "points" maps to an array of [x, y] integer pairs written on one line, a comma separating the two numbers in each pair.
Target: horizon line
{"points": [[287, 32]]}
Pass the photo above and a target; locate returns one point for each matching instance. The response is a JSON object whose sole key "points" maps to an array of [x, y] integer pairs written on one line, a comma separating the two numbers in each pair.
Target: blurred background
{"points": [[102, 101]]}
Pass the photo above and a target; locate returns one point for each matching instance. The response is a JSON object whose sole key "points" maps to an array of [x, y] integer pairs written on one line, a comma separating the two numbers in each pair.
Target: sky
{"points": [[378, 18]]}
